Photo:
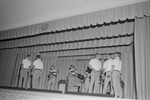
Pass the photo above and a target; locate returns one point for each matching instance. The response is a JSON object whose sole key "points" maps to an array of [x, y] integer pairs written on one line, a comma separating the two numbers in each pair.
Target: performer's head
{"points": [[37, 57], [108, 56], [71, 67], [52, 67], [29, 57], [97, 56], [118, 54]]}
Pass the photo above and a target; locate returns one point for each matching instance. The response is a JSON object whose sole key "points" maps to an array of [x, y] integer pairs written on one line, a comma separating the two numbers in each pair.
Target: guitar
{"points": [[53, 73], [30, 70], [76, 74]]}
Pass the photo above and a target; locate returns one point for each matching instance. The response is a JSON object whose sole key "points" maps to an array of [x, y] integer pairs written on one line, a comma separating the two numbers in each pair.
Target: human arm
{"points": [[112, 69], [104, 66], [91, 67], [21, 65], [120, 66]]}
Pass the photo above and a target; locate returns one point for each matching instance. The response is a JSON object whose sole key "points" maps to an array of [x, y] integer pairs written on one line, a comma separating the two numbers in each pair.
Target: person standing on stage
{"points": [[95, 65], [26, 63], [37, 71], [107, 69], [71, 78], [87, 80], [116, 74], [52, 78]]}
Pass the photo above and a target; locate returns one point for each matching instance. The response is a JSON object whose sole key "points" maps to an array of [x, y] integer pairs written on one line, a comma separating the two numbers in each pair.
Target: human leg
{"points": [[96, 84], [91, 82], [107, 80]]}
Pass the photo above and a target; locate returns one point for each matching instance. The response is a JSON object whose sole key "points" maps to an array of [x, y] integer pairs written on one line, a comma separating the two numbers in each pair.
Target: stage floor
{"points": [[33, 94]]}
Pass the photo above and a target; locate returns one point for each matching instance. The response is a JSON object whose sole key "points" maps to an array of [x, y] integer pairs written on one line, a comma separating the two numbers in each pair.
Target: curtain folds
{"points": [[98, 17], [7, 65], [128, 74], [142, 57], [22, 53], [80, 62], [62, 60], [131, 38], [107, 32]]}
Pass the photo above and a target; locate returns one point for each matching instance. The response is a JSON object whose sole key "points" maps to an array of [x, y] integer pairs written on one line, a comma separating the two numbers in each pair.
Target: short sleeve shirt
{"points": [[95, 64], [108, 65], [38, 64], [117, 63], [26, 63]]}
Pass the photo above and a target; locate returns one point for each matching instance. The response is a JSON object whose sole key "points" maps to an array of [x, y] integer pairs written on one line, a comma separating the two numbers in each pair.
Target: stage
{"points": [[33, 94]]}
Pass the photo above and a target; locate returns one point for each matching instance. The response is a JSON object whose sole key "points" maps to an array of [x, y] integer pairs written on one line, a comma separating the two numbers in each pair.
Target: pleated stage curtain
{"points": [[128, 72], [74, 40], [62, 65], [99, 17], [79, 38], [7, 66], [20, 56], [77, 48], [142, 57], [80, 62]]}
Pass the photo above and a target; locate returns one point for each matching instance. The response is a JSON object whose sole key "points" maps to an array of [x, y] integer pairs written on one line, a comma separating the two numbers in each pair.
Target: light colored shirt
{"points": [[95, 64], [26, 63], [38, 64], [117, 63], [108, 65]]}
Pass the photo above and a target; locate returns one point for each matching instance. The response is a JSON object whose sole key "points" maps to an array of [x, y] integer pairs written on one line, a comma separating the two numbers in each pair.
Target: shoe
{"points": [[116, 97]]}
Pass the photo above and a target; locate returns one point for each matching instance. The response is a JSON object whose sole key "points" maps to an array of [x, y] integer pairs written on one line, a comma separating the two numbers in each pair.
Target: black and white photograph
{"points": [[74, 50]]}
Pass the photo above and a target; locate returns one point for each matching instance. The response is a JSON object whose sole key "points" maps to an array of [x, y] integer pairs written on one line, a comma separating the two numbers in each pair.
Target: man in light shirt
{"points": [[37, 70], [95, 65], [107, 69], [116, 74], [26, 63]]}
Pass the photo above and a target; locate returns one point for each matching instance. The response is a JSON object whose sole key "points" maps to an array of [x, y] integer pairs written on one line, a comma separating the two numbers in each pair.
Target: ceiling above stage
{"points": [[18, 13]]}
